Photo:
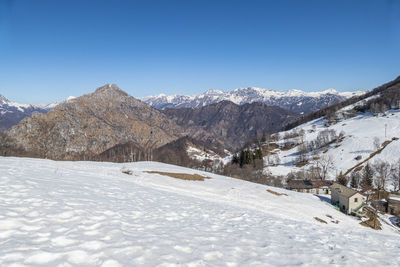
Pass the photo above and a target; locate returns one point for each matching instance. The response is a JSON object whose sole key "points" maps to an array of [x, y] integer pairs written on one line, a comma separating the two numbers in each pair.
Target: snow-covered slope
{"points": [[295, 100], [357, 145], [92, 214]]}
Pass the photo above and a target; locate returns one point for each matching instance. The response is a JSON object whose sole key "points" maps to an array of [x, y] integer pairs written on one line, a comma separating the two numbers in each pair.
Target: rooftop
{"points": [[344, 190]]}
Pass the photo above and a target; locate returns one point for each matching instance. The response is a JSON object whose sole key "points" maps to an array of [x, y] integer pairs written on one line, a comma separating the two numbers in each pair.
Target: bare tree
{"points": [[377, 143], [301, 153], [355, 179], [324, 164], [382, 170], [395, 174]]}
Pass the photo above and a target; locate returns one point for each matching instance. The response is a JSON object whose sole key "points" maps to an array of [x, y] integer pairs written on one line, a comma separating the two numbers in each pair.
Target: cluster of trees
{"points": [[253, 174], [377, 175], [247, 157], [248, 164], [324, 138], [319, 169], [388, 99]]}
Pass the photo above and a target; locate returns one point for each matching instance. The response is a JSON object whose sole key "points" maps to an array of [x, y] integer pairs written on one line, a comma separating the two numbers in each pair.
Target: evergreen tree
{"points": [[367, 176], [354, 180], [235, 159], [341, 179], [259, 154], [241, 158]]}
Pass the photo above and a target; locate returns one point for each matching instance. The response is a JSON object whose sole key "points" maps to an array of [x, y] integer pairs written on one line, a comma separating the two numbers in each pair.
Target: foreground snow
{"points": [[91, 214]]}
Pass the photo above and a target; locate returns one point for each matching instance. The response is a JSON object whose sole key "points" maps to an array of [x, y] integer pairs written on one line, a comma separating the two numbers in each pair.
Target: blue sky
{"points": [[52, 49]]}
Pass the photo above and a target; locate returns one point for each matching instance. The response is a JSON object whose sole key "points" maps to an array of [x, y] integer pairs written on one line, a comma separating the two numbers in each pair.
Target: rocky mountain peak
{"points": [[90, 124], [3, 100], [109, 89]]}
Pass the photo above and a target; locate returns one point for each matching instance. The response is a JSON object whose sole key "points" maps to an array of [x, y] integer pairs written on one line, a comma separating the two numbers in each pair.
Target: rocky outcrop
{"points": [[230, 124], [91, 124]]}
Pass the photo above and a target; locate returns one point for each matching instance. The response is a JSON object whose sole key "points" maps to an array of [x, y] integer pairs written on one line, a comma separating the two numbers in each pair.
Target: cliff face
{"points": [[93, 123], [230, 124]]}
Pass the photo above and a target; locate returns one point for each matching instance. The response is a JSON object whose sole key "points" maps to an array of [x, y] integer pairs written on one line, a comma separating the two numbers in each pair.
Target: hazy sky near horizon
{"points": [[50, 49]]}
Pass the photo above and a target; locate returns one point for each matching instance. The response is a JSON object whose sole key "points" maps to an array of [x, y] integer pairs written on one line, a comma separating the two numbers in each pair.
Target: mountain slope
{"points": [[92, 214], [90, 124], [230, 124], [351, 136], [293, 100]]}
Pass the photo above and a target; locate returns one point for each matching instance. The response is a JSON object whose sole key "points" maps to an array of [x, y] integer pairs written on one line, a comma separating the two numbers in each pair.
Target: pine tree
{"points": [[241, 158], [235, 159], [342, 179], [354, 180], [259, 154], [367, 176]]}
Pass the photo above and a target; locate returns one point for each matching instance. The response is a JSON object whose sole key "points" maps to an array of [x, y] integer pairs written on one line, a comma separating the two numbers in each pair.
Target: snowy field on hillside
{"points": [[359, 134], [91, 214]]}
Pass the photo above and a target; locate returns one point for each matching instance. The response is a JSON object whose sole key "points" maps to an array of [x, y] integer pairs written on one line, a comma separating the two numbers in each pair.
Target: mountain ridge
{"points": [[294, 100]]}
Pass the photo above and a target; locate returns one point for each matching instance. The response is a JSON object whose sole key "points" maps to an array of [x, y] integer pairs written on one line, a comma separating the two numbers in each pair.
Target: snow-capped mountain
{"points": [[12, 113], [294, 100]]}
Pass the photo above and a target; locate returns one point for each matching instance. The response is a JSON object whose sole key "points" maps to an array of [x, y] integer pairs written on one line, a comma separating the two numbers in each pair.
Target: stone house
{"points": [[394, 204], [348, 200], [310, 186]]}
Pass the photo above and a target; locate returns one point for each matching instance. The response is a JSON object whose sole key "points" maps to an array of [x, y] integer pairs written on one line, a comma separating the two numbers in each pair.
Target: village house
{"points": [[347, 199], [310, 186], [394, 204]]}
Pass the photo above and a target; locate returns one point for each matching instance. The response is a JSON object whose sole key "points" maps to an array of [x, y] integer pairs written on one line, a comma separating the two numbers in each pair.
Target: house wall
{"points": [[343, 203], [324, 190], [334, 197], [354, 205], [321, 190]]}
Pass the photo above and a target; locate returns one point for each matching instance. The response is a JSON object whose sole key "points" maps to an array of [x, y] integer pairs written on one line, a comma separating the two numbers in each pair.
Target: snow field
{"points": [[91, 214]]}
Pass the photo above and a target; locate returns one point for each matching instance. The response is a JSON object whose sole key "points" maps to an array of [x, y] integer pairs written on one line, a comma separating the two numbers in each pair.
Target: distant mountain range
{"points": [[12, 113], [293, 100], [111, 125]]}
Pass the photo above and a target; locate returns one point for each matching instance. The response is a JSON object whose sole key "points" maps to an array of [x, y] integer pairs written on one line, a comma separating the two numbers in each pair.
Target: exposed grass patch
{"points": [[373, 223], [301, 164], [276, 193], [288, 147], [129, 172], [332, 219], [320, 220], [182, 176]]}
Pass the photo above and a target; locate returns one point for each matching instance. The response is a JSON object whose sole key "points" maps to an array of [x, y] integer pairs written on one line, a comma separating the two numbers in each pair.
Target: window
{"points": [[355, 199]]}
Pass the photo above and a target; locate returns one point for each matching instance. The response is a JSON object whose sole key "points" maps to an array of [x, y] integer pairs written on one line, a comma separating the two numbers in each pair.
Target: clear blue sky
{"points": [[52, 49]]}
